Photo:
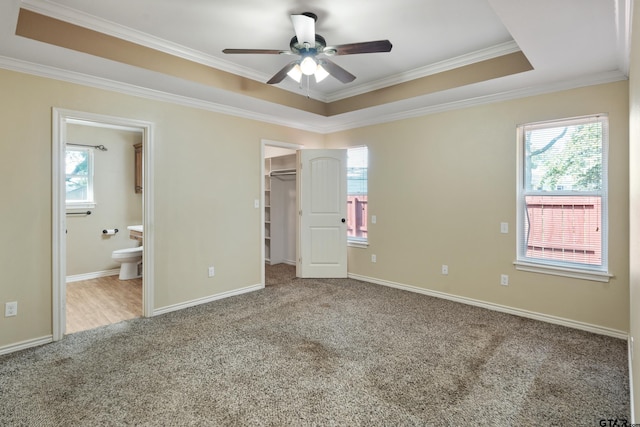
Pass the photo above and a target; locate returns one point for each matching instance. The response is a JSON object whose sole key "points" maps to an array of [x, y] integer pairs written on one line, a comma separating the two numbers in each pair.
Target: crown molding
{"points": [[331, 124], [438, 67], [591, 80], [73, 16], [156, 95], [76, 17]]}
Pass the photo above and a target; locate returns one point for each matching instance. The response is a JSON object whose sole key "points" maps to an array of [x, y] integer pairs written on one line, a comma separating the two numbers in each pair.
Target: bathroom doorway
{"points": [[88, 230]]}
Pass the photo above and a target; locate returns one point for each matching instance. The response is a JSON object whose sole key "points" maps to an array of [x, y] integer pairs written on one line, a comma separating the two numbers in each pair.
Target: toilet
{"points": [[130, 259]]}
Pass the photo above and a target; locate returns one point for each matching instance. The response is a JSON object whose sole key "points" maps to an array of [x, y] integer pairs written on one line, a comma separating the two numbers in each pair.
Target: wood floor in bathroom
{"points": [[102, 301]]}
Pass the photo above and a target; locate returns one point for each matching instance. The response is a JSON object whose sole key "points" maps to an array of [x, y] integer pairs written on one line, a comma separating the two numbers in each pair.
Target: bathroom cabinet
{"points": [[138, 167]]}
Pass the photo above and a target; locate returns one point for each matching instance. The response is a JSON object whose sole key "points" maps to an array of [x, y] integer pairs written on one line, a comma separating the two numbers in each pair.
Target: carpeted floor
{"points": [[320, 352]]}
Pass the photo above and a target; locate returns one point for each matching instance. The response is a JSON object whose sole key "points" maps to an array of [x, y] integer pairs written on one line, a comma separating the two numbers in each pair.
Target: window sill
{"points": [[72, 206], [357, 244], [596, 276]]}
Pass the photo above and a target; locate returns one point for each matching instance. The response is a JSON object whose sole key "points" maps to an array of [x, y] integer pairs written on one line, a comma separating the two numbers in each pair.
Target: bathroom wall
{"points": [[117, 204]]}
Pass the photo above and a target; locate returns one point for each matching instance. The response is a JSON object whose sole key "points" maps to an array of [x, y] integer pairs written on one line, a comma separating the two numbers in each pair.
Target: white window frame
{"points": [[556, 267], [353, 241], [89, 203]]}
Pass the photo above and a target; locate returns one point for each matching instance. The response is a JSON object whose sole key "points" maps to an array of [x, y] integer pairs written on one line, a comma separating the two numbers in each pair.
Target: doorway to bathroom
{"points": [[102, 212]]}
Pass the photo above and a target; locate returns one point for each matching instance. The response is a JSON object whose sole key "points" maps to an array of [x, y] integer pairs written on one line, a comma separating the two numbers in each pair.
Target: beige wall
{"points": [[207, 175], [441, 184], [425, 174], [117, 203], [634, 201]]}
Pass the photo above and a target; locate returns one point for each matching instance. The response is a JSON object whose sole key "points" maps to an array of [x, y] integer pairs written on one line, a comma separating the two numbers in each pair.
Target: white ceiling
{"points": [[570, 43]]}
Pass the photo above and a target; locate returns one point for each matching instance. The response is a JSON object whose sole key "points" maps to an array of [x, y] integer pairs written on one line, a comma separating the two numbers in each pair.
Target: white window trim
{"points": [[595, 273], [575, 273], [354, 242], [90, 204], [80, 205]]}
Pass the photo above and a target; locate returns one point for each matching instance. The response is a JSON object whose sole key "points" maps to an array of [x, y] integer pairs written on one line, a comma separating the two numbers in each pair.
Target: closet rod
{"points": [[283, 172], [99, 147]]}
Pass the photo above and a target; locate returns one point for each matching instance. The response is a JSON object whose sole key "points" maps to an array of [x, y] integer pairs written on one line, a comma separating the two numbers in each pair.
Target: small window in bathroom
{"points": [[79, 178]]}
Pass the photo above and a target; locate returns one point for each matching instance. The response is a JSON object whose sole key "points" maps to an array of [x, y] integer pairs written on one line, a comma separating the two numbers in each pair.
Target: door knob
{"points": [[343, 220]]}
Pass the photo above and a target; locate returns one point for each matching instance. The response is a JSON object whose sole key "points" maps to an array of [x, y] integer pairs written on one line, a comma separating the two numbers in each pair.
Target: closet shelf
{"points": [[279, 200]]}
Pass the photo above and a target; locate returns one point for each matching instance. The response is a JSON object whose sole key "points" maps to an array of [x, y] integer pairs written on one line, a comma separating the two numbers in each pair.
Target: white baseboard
{"points": [[25, 344], [282, 261], [94, 275], [49, 338], [192, 303], [601, 330]]}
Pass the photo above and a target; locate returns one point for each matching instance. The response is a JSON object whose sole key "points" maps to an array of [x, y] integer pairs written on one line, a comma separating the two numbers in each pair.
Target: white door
{"points": [[322, 205]]}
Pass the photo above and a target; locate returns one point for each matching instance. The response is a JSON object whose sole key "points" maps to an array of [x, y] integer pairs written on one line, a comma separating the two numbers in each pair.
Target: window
{"points": [[79, 178], [357, 165], [562, 200]]}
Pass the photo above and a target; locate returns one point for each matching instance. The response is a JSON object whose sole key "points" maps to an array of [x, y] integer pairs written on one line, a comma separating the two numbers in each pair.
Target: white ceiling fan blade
{"points": [[305, 28]]}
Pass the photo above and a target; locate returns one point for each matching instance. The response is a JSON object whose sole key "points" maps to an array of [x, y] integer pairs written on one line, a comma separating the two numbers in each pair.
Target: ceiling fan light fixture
{"points": [[308, 66], [321, 73], [295, 73], [307, 45]]}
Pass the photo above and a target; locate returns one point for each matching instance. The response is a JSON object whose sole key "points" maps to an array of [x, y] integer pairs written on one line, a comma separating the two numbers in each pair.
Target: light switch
{"points": [[373, 219], [504, 227]]}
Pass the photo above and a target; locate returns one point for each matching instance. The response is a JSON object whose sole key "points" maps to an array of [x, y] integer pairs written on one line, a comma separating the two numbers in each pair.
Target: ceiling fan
{"points": [[313, 50]]}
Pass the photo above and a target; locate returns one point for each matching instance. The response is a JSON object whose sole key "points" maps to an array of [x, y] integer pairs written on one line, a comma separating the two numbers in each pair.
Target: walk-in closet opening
{"points": [[279, 203]]}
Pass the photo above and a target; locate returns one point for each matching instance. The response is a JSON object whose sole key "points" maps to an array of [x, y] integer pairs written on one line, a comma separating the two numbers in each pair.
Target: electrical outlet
{"points": [[504, 280], [11, 309], [212, 272], [373, 258], [445, 269]]}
